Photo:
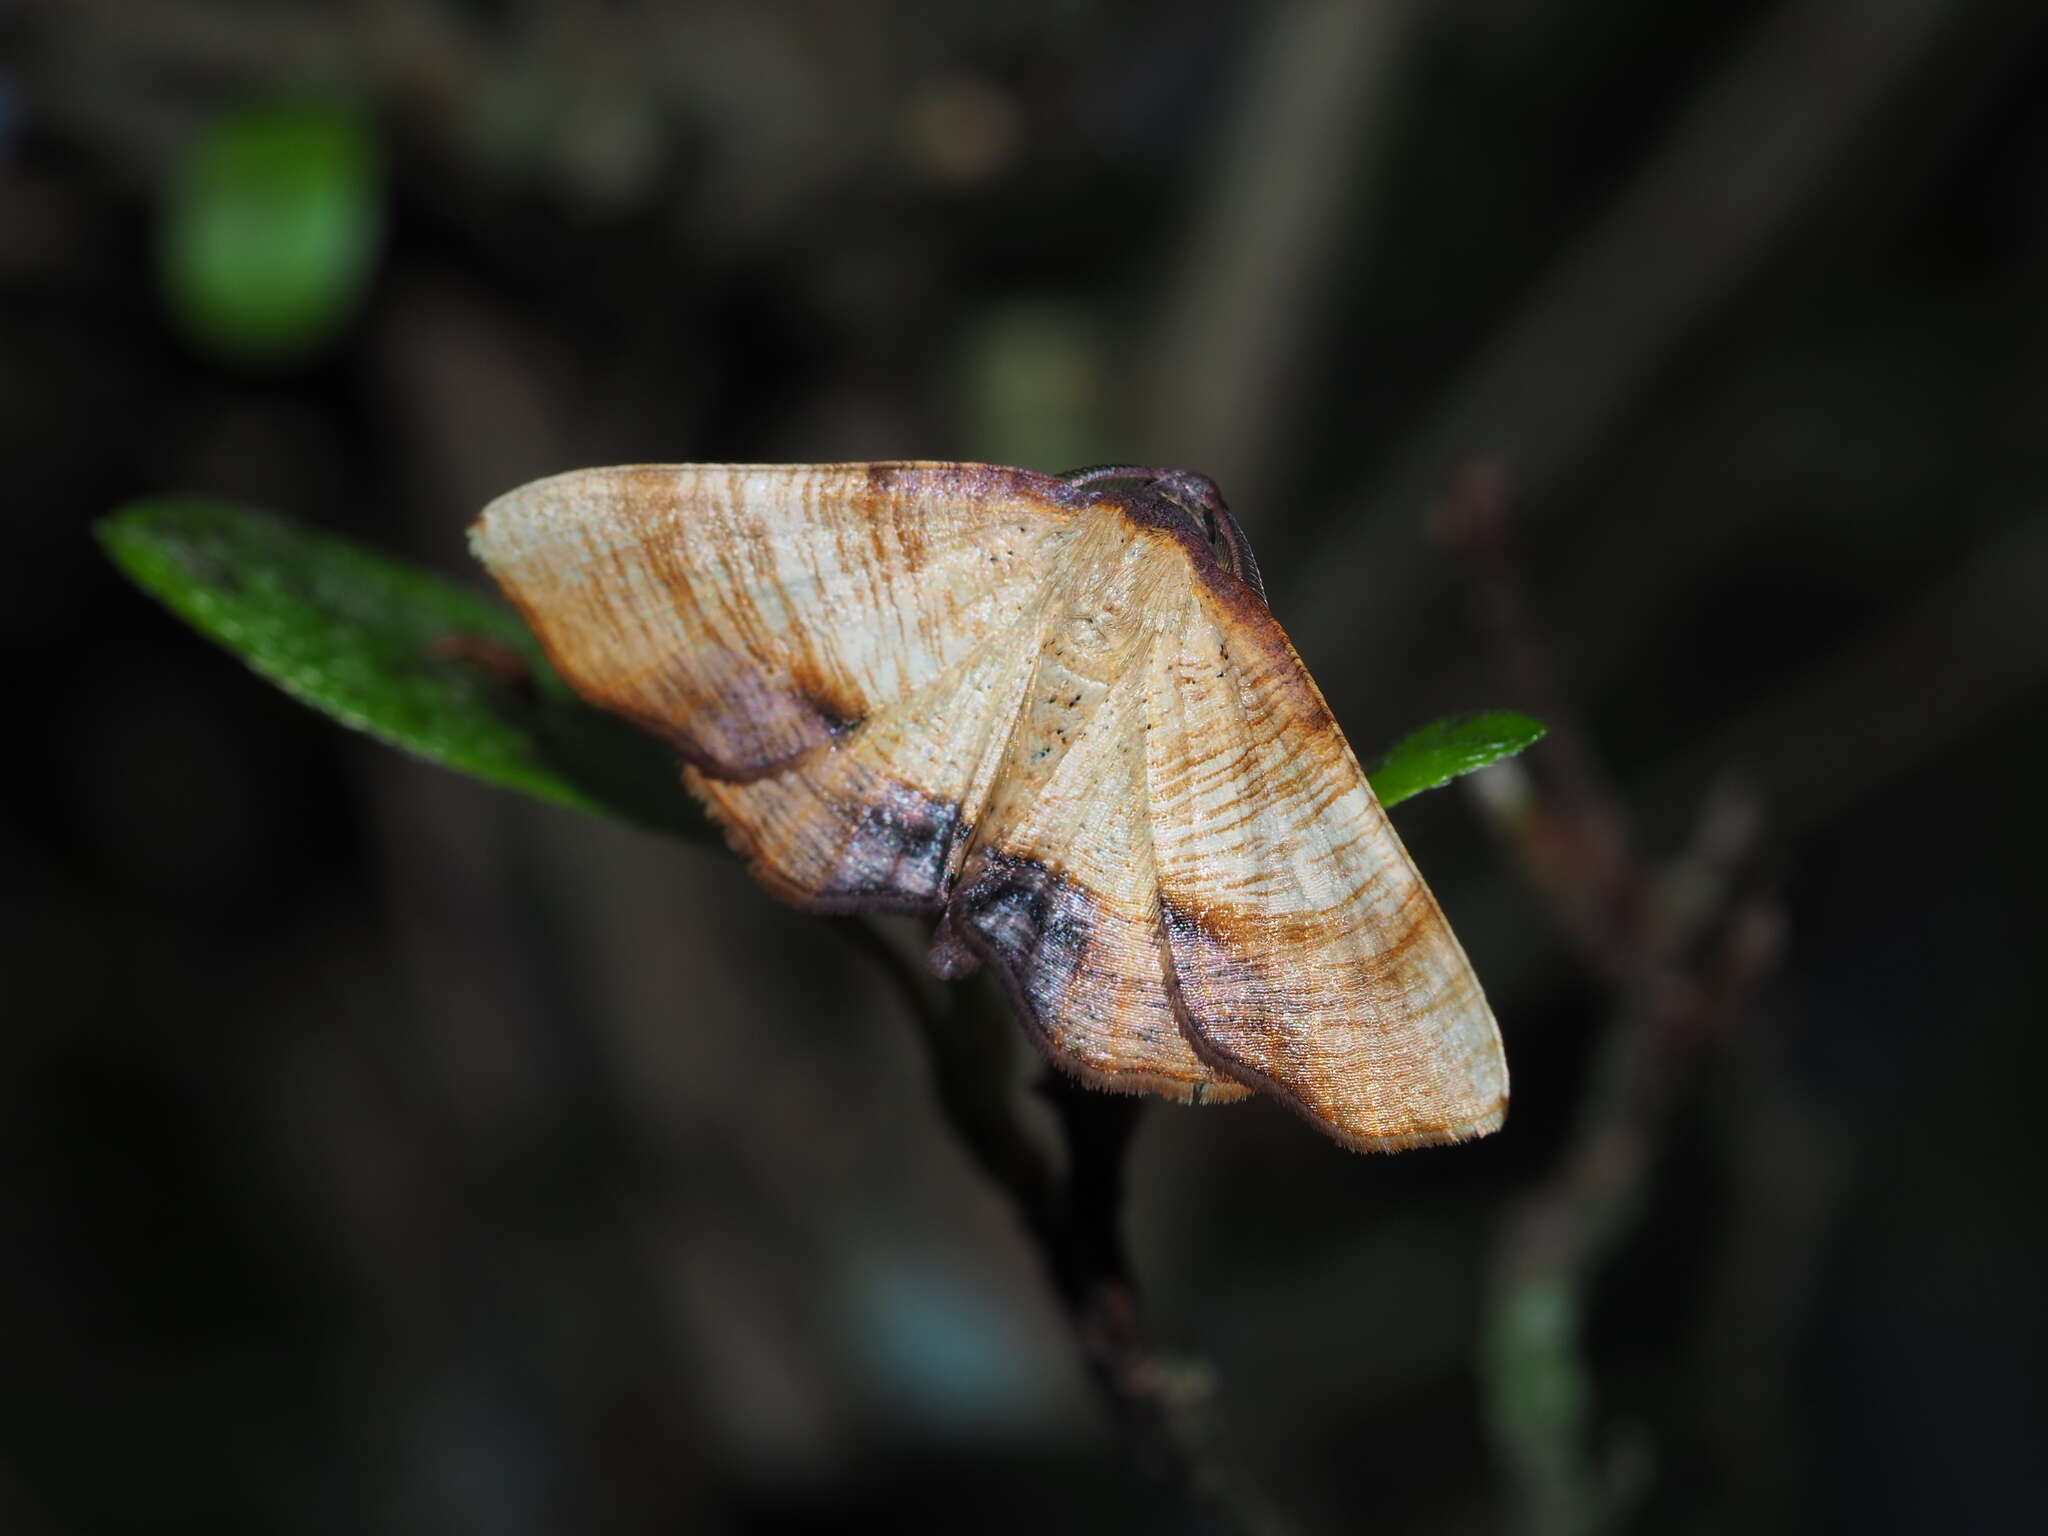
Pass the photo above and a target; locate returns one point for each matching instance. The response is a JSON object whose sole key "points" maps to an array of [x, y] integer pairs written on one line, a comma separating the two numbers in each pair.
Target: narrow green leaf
{"points": [[396, 651], [271, 230], [1447, 749]]}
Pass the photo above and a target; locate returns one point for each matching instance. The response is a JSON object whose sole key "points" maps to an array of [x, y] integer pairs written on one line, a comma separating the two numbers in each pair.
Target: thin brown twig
{"points": [[1680, 951], [1572, 838], [1073, 1212]]}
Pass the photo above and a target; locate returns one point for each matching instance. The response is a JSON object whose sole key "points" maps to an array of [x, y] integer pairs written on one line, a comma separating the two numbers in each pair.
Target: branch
{"points": [[1680, 950], [1072, 1210]]}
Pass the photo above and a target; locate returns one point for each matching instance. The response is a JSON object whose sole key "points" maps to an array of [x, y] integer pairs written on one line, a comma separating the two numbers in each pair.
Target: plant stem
{"points": [[1678, 949], [1072, 1210]]}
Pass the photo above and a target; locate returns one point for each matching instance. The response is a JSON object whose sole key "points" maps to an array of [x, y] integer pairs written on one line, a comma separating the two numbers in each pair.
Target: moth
{"points": [[1052, 712]]}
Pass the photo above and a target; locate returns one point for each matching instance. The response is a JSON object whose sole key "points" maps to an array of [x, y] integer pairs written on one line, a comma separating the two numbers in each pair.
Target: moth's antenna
{"points": [[1238, 548], [1096, 472]]}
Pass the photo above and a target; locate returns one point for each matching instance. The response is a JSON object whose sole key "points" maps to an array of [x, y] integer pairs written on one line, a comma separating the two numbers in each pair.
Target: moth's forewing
{"points": [[1307, 955], [750, 613]]}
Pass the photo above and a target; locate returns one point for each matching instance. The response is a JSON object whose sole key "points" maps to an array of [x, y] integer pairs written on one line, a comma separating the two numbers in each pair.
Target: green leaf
{"points": [[271, 230], [1441, 752], [396, 651]]}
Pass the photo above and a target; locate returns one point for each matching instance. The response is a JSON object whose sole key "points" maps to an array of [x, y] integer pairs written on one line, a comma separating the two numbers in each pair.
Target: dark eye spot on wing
{"points": [[899, 850], [1033, 922], [1065, 957]]}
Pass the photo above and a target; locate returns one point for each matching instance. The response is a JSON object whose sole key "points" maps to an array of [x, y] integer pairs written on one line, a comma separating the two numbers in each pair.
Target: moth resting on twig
{"points": [[1052, 712]]}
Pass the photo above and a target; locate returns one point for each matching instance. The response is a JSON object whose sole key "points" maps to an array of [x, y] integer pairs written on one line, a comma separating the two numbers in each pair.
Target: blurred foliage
{"points": [[272, 229], [1035, 380], [438, 671]]}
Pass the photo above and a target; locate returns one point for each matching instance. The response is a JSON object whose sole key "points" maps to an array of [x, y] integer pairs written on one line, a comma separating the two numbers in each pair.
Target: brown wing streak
{"points": [[751, 613], [879, 816], [1307, 957], [1058, 892]]}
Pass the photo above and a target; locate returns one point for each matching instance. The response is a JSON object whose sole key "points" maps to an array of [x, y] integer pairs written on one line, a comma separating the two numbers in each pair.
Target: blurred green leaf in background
{"points": [[1036, 374], [271, 230]]}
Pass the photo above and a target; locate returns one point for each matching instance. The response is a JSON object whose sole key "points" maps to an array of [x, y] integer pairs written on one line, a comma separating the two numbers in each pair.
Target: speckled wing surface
{"points": [[1047, 714], [1306, 954]]}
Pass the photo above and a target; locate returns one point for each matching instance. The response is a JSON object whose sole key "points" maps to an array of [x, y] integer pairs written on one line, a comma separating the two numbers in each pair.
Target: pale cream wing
{"points": [[750, 613], [879, 816], [1307, 956], [1009, 790], [1058, 891]]}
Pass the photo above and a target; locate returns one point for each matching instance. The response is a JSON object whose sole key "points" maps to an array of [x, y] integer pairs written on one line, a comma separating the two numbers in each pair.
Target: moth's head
{"points": [[1184, 499]]}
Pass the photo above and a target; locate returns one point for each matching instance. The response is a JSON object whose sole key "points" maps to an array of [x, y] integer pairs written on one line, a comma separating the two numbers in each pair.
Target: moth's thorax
{"points": [[1180, 501]]}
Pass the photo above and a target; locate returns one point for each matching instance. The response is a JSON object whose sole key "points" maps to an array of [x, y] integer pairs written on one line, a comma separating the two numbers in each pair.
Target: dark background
{"points": [[381, 1152]]}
